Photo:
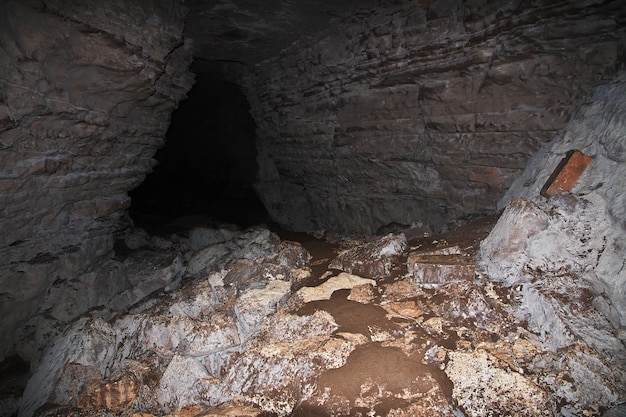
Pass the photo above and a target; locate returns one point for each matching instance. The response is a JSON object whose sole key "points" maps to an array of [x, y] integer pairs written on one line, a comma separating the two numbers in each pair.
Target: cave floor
{"points": [[419, 333], [397, 330]]}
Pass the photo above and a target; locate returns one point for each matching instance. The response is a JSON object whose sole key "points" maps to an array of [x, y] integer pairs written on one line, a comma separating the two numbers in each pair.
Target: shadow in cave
{"points": [[206, 170]]}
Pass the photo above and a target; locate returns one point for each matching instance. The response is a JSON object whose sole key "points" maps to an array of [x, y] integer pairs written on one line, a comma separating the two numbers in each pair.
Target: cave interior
{"points": [[313, 208]]}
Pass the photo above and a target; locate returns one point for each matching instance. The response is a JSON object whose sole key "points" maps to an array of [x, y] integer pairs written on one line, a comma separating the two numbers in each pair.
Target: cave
{"points": [[206, 171], [313, 208]]}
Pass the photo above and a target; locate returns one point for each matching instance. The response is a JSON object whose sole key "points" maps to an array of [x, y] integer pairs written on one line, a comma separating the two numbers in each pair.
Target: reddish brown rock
{"points": [[116, 396], [566, 173]]}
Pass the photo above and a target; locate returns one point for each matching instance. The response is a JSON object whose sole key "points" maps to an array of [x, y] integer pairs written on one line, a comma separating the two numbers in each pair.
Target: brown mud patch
{"points": [[351, 316]]}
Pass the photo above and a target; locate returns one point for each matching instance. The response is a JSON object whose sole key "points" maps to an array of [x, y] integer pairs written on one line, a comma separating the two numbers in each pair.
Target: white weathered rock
{"points": [[175, 388], [89, 342], [254, 305], [148, 271], [201, 301], [207, 259], [324, 291], [168, 336], [591, 384], [563, 255], [581, 232], [276, 367], [484, 390], [252, 244]]}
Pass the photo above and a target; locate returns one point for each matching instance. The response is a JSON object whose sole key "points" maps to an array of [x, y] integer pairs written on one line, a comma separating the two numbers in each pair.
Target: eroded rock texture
{"points": [[580, 233], [86, 92], [422, 111], [250, 331]]}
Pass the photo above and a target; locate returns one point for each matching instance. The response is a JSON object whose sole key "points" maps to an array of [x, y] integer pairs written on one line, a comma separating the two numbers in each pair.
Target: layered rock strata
{"points": [[422, 112], [86, 94]]}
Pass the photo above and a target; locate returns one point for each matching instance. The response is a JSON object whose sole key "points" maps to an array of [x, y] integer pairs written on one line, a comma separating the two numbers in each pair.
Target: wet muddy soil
{"points": [[390, 362]]}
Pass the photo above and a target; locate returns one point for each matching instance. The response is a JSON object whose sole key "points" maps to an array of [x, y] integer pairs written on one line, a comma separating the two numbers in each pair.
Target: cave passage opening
{"points": [[207, 168]]}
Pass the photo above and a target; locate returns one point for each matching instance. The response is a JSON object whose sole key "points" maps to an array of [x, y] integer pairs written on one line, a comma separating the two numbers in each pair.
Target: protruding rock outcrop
{"points": [[170, 349], [579, 233]]}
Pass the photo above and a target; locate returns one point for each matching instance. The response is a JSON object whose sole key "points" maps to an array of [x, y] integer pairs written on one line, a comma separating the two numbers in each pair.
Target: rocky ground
{"points": [[254, 323]]}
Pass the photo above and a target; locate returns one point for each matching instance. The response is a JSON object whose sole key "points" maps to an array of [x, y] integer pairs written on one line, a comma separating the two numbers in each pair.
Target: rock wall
{"points": [[86, 92], [422, 111], [581, 232]]}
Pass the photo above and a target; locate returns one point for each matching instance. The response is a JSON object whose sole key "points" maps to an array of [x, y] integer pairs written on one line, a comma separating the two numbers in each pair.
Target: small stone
{"points": [[404, 309], [433, 325], [524, 350], [343, 281], [435, 354]]}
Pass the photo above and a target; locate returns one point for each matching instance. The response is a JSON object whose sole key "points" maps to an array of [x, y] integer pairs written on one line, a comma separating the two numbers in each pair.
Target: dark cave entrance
{"points": [[207, 168]]}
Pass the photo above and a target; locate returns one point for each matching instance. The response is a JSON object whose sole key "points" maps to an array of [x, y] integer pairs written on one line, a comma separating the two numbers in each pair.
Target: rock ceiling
{"points": [[249, 31]]}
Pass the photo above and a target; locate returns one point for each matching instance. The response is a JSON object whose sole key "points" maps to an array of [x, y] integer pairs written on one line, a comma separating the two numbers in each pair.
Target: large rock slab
{"points": [[439, 269]]}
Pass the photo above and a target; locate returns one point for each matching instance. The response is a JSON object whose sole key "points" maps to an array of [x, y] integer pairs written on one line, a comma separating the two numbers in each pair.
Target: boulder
{"points": [[373, 259]]}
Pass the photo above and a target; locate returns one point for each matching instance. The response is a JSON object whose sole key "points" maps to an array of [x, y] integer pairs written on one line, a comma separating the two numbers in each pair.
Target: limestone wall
{"points": [[86, 92], [422, 111]]}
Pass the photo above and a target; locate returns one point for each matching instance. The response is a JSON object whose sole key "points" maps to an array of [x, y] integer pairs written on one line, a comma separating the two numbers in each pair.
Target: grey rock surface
{"points": [[581, 233], [89, 342]]}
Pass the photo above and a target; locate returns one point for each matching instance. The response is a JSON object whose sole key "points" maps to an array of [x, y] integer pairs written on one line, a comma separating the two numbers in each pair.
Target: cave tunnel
{"points": [[415, 249], [206, 171]]}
